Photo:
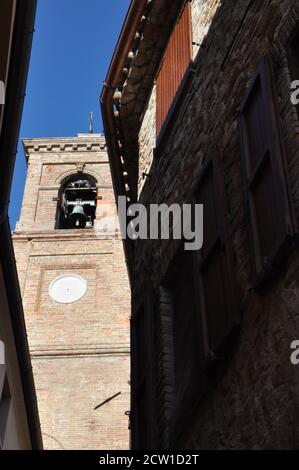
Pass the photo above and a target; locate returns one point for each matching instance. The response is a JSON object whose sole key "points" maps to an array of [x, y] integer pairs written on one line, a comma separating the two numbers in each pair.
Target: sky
{"points": [[72, 48]]}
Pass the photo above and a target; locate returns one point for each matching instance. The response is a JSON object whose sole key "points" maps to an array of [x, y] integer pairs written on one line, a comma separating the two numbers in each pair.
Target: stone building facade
{"points": [[212, 329], [75, 294]]}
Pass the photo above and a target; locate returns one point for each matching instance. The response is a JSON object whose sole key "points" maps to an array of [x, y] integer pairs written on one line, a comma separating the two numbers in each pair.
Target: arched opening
{"points": [[77, 202]]}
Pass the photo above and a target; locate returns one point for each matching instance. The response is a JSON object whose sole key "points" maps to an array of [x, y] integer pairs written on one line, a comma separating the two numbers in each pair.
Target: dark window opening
{"points": [[77, 203], [293, 55], [142, 413], [185, 369]]}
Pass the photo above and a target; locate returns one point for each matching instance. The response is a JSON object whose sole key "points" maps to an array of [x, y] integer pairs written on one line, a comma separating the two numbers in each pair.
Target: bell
{"points": [[77, 219]]}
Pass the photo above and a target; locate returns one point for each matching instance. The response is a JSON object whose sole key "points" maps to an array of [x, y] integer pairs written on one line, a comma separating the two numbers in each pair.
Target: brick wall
{"points": [[80, 351]]}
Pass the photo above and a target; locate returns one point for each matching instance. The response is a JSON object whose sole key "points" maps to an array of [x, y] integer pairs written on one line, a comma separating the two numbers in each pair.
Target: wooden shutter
{"points": [[176, 60], [187, 358], [270, 220], [217, 299], [164, 364], [142, 405]]}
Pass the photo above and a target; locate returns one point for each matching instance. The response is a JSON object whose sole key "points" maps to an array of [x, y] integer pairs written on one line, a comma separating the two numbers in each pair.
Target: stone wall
{"points": [[202, 13], [147, 139], [255, 404]]}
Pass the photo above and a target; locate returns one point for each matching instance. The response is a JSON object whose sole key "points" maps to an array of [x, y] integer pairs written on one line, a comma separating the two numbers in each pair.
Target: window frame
{"points": [[267, 270], [184, 405], [208, 364], [222, 241]]}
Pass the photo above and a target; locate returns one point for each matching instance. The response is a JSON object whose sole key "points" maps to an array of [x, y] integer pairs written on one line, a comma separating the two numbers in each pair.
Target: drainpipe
{"points": [[120, 56]]}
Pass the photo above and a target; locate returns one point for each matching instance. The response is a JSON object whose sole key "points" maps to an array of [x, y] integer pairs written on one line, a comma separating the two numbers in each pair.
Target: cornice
{"points": [[80, 143], [65, 235], [84, 350]]}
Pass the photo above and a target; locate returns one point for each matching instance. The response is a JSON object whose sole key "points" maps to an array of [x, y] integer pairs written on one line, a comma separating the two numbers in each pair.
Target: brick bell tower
{"points": [[75, 293]]}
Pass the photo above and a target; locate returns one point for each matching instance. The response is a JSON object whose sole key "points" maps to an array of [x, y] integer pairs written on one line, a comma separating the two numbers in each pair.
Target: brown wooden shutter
{"points": [[142, 405], [270, 220], [176, 60], [217, 299]]}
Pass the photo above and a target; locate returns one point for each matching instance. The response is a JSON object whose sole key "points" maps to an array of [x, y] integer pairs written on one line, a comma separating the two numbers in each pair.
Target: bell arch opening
{"points": [[77, 202]]}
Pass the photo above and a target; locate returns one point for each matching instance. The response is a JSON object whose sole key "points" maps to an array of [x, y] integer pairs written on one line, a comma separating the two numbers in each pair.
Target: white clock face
{"points": [[68, 289]]}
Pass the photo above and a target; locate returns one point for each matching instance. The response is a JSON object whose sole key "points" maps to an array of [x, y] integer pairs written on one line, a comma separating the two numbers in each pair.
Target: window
{"points": [[142, 412], [176, 60], [76, 208], [215, 272], [196, 314], [270, 220], [178, 359], [165, 367]]}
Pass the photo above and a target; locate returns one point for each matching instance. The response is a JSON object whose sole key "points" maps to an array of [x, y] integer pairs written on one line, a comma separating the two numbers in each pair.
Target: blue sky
{"points": [[73, 44]]}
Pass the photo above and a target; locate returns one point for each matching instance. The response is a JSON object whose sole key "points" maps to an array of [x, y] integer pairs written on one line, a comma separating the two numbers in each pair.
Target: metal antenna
{"points": [[91, 123]]}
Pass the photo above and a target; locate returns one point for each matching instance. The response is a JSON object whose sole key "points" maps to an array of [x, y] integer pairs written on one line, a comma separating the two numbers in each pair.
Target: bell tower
{"points": [[75, 293]]}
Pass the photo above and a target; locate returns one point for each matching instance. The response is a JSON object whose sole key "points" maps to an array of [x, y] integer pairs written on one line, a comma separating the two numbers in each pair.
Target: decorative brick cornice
{"points": [[65, 235], [80, 143]]}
